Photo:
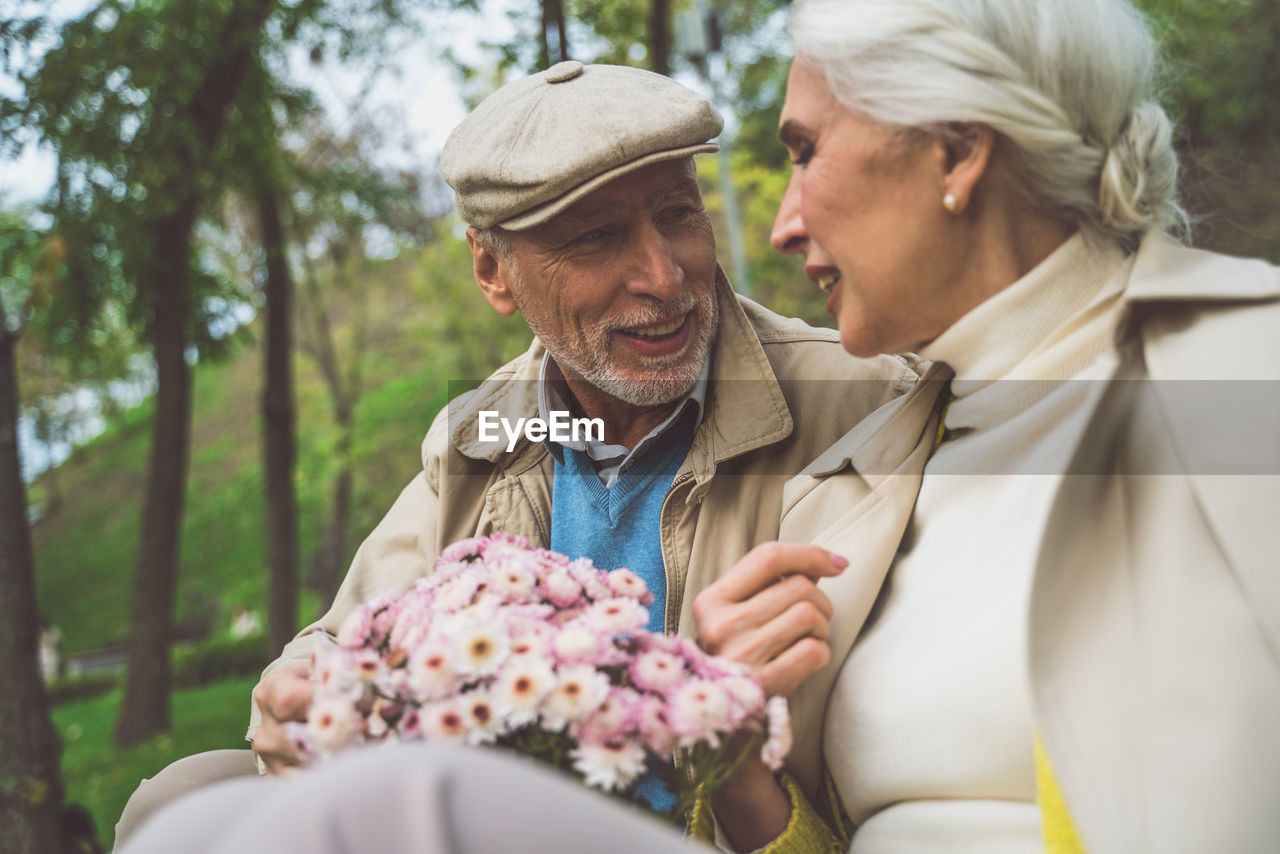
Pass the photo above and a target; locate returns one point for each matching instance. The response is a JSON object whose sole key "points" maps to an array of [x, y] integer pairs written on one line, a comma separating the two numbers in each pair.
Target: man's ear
{"points": [[492, 275], [964, 154]]}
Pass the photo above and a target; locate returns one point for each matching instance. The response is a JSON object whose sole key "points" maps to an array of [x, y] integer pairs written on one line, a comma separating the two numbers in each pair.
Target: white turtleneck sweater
{"points": [[929, 733]]}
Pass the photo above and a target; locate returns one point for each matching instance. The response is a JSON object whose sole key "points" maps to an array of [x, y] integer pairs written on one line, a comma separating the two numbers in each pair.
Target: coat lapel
{"points": [[863, 521]]}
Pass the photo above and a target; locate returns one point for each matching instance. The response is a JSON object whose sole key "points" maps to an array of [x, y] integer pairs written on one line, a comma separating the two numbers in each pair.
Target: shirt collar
{"points": [[552, 394]]}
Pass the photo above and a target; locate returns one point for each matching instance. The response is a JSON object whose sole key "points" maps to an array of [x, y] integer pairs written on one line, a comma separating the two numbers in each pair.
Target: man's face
{"points": [[620, 287]]}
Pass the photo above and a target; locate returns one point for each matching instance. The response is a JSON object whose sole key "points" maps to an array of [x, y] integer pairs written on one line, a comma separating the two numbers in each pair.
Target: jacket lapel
{"points": [[863, 522]]}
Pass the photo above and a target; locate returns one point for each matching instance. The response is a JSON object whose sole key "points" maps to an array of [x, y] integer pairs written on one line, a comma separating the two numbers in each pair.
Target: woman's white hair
{"points": [[1067, 84]]}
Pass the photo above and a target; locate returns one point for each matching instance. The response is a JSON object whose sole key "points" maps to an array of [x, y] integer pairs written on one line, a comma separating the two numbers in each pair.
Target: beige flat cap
{"points": [[539, 144]]}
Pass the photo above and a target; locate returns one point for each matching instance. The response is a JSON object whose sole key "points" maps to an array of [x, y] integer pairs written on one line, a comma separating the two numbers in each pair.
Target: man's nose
{"points": [[657, 271], [788, 235]]}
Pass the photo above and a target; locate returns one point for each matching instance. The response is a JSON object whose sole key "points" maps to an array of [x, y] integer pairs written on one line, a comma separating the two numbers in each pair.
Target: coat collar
{"points": [[745, 405], [1166, 271]]}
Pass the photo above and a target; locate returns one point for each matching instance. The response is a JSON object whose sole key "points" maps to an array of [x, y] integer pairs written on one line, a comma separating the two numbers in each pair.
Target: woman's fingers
{"points": [[769, 613]]}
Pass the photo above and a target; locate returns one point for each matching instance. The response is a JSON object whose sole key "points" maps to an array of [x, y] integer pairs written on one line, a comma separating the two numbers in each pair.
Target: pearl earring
{"points": [[949, 202]]}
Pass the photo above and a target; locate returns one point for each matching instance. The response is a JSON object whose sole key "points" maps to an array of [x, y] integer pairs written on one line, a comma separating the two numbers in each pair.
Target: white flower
{"points": [[455, 593], [444, 721], [577, 642], [431, 673], [617, 616], [579, 691], [480, 648], [745, 692], [699, 709], [656, 670], [520, 688], [367, 665], [778, 744], [609, 765], [484, 722], [333, 723], [355, 628]]}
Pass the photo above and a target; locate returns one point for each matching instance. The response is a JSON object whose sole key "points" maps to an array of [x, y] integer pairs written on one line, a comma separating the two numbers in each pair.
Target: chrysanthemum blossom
{"points": [[617, 616], [480, 648], [698, 710], [613, 719], [444, 721], [746, 693], [333, 723], [778, 744], [656, 670], [484, 722], [520, 688], [355, 628], [579, 691], [609, 765], [456, 593], [624, 582], [561, 589], [462, 550], [513, 580], [655, 729], [577, 642], [431, 672]]}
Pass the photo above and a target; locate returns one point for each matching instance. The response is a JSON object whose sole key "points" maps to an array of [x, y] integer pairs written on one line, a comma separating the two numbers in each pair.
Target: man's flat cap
{"points": [[539, 144]]}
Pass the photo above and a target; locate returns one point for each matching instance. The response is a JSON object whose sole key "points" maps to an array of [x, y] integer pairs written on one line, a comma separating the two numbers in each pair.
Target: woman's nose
{"points": [[788, 235]]}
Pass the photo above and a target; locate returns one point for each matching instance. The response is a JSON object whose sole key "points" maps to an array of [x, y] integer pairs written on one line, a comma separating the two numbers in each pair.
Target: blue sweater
{"points": [[621, 526]]}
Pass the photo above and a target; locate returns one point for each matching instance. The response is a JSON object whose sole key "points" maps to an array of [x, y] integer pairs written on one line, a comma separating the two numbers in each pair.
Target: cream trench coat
{"points": [[780, 392], [1154, 625]]}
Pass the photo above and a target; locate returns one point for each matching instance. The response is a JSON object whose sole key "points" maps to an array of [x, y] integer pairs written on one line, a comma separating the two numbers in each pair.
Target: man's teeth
{"points": [[827, 281], [657, 331]]}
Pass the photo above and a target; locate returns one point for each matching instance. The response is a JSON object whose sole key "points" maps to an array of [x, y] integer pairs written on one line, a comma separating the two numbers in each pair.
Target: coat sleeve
{"points": [[401, 549]]}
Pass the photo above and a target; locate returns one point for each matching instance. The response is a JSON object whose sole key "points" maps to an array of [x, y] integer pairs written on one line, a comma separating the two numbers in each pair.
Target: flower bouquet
{"points": [[522, 648]]}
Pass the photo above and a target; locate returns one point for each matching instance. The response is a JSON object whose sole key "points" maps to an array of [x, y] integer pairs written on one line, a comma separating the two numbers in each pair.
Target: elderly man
{"points": [[584, 214]]}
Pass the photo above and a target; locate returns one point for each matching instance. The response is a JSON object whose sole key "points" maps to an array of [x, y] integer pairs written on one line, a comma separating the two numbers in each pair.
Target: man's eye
{"points": [[803, 153], [678, 212], [595, 235]]}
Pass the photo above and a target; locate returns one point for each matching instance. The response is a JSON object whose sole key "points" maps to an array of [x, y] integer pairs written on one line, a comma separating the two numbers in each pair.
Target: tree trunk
{"points": [[144, 711], [30, 779], [660, 36], [331, 559], [280, 448], [554, 38]]}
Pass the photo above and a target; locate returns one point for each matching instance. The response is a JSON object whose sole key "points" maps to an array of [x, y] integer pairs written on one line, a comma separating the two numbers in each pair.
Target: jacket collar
{"points": [[745, 406], [1166, 271]]}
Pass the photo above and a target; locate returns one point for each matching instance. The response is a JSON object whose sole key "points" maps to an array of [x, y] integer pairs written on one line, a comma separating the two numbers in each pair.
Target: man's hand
{"points": [[769, 613], [283, 695]]}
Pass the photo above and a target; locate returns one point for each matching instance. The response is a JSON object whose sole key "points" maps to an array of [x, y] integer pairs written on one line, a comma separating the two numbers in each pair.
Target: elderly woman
{"points": [[1060, 625]]}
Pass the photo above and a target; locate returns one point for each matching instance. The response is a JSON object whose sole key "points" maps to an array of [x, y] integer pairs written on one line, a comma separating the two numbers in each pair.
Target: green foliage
{"points": [[220, 658], [102, 776], [74, 688]]}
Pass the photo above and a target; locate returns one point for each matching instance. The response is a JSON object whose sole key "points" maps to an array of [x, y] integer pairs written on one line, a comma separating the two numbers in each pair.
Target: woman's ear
{"points": [[964, 153], [492, 275]]}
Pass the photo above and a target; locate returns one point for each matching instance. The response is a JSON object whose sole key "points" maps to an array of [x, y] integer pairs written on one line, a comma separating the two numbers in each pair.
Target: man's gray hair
{"points": [[497, 240], [1068, 85]]}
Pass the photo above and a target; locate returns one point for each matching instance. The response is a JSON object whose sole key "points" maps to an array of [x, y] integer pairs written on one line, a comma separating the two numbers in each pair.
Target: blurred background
{"points": [[233, 295]]}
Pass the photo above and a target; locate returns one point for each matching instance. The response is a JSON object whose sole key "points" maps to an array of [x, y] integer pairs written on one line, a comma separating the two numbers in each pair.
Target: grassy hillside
{"points": [[427, 325]]}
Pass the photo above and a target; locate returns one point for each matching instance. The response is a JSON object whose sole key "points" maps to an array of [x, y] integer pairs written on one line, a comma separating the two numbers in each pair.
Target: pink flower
{"points": [[778, 744], [656, 670], [585, 573], [560, 589], [355, 628], [332, 724], [617, 616], [612, 719], [462, 550], [654, 726], [513, 580], [431, 672], [698, 710], [745, 693], [456, 593], [610, 764], [624, 582]]}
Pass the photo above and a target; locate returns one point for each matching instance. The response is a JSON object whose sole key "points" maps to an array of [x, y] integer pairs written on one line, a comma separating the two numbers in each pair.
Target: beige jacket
{"points": [[780, 392], [1154, 629]]}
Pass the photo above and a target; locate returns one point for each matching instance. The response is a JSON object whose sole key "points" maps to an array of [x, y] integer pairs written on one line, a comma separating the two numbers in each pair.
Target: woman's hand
{"points": [[283, 695], [768, 612]]}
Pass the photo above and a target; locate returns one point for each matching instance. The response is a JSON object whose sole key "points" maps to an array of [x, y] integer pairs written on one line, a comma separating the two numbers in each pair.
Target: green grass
{"points": [[101, 776]]}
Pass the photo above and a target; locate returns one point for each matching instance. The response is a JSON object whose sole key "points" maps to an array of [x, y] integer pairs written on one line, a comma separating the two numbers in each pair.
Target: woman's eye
{"points": [[803, 153]]}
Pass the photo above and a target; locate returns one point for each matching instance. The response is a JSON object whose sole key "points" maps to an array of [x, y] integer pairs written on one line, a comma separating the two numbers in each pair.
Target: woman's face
{"points": [[864, 207]]}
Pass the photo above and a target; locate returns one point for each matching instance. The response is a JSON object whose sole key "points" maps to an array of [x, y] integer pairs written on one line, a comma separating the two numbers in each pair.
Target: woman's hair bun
{"points": [[1138, 186]]}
